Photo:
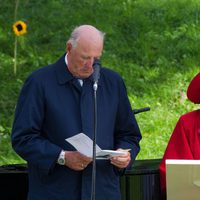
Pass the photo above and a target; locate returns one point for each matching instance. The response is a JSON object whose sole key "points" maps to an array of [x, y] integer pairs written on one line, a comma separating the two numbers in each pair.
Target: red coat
{"points": [[184, 142]]}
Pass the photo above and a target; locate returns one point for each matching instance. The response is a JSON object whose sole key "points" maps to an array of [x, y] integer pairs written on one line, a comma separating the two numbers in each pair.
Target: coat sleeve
{"points": [[178, 148], [127, 132], [27, 137]]}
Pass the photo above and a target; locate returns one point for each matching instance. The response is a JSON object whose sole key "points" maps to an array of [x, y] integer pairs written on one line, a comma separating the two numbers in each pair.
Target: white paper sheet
{"points": [[84, 145]]}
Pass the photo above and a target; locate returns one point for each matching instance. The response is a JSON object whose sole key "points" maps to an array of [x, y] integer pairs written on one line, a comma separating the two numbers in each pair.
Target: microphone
{"points": [[96, 74]]}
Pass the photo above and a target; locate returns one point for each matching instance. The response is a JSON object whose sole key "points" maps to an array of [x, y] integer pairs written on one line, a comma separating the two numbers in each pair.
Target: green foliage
{"points": [[153, 44]]}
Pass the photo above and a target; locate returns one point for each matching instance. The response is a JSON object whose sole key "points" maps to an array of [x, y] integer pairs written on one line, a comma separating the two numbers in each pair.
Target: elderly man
{"points": [[56, 102]]}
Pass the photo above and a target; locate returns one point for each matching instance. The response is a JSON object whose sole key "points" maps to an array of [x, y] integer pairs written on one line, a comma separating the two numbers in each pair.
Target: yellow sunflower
{"points": [[19, 28]]}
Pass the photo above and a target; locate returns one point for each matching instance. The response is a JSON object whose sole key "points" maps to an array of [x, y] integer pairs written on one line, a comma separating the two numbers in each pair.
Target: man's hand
{"points": [[121, 161], [76, 160]]}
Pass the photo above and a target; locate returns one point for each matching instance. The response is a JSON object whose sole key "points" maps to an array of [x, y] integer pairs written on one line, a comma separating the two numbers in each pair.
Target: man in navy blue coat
{"points": [[57, 102]]}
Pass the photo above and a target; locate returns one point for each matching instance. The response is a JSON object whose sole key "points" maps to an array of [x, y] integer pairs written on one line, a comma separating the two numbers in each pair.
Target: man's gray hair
{"points": [[75, 35]]}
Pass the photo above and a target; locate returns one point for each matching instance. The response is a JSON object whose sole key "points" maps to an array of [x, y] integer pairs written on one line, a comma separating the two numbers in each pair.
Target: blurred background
{"points": [[154, 45]]}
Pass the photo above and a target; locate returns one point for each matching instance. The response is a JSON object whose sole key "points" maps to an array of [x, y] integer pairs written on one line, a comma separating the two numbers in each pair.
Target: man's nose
{"points": [[89, 62]]}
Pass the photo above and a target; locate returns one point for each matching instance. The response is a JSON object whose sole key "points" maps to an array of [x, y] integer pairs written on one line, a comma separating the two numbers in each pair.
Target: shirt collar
{"points": [[66, 61]]}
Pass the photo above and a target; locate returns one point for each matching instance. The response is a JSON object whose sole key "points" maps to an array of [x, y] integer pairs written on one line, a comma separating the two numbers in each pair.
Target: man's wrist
{"points": [[61, 159]]}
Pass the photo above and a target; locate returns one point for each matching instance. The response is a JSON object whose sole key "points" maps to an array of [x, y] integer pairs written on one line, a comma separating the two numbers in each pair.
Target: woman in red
{"points": [[185, 139]]}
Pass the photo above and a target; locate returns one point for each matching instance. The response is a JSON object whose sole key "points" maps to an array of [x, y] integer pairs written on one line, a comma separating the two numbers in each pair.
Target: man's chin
{"points": [[85, 75]]}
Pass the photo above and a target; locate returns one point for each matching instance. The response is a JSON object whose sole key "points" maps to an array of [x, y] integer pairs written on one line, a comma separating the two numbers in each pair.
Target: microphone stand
{"points": [[93, 192]]}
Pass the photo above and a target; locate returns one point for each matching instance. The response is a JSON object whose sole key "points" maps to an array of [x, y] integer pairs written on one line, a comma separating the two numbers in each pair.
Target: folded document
{"points": [[84, 145]]}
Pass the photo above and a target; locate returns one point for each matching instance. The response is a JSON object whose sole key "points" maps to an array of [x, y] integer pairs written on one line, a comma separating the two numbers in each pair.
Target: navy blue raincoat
{"points": [[52, 107]]}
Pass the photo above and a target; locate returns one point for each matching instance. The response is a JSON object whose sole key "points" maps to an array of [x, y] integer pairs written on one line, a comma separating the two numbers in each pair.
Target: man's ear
{"points": [[68, 46]]}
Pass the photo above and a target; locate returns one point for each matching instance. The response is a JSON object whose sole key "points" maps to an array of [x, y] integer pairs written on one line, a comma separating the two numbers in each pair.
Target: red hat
{"points": [[193, 91]]}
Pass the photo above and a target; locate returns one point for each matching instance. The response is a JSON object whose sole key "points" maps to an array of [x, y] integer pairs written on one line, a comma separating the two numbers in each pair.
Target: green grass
{"points": [[167, 102], [153, 45]]}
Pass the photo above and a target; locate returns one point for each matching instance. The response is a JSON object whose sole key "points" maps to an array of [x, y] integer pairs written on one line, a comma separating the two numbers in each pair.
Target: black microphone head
{"points": [[96, 62], [96, 66]]}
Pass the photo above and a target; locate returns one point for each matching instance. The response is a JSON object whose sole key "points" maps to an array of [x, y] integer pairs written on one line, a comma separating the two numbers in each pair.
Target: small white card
{"points": [[84, 145]]}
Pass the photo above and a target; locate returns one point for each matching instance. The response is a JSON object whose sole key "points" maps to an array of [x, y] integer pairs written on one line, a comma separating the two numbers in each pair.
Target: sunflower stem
{"points": [[15, 56], [15, 45], [16, 8]]}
